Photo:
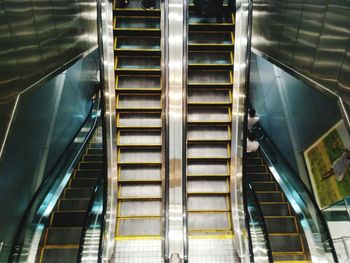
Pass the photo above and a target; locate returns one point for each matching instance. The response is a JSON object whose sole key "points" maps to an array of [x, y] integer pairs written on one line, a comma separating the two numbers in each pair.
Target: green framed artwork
{"points": [[328, 166]]}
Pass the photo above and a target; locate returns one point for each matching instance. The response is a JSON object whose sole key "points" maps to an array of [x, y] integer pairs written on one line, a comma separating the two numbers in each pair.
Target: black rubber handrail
{"points": [[48, 179], [247, 183], [301, 183]]}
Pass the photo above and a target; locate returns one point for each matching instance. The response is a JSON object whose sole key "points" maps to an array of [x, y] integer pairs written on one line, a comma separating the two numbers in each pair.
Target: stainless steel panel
{"points": [[209, 76], [139, 101], [207, 150], [143, 82], [138, 172], [140, 208], [133, 155], [203, 203], [219, 185], [201, 221], [208, 114], [139, 227], [209, 96], [140, 190], [140, 137], [138, 62], [139, 119], [207, 167], [216, 132]]}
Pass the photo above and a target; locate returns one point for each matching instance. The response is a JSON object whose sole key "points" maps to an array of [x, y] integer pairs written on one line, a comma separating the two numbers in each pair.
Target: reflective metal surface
{"points": [[309, 37], [175, 94]]}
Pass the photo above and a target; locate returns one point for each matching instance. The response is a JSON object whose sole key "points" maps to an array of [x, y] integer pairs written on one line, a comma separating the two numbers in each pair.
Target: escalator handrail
{"points": [[247, 182], [48, 179], [99, 183], [296, 177]]}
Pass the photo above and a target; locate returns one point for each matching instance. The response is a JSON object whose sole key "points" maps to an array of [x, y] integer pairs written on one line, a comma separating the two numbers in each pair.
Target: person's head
{"points": [[251, 136], [251, 113]]}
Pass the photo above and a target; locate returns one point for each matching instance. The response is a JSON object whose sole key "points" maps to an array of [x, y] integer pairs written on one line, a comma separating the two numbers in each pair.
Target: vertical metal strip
{"points": [[175, 128]]}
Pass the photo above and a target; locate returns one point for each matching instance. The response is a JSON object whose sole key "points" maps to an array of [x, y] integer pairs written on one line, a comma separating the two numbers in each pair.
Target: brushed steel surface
{"points": [[209, 96], [143, 227], [137, 22], [139, 119], [139, 172], [140, 190], [137, 62], [215, 132], [127, 81], [210, 37], [140, 137], [207, 203], [131, 155], [140, 208], [209, 76], [208, 114], [196, 167], [138, 42], [207, 150], [202, 221], [138, 101], [217, 185], [209, 57]]}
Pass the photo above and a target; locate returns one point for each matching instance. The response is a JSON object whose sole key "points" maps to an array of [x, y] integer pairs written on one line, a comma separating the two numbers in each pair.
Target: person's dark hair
{"points": [[252, 113], [251, 136]]}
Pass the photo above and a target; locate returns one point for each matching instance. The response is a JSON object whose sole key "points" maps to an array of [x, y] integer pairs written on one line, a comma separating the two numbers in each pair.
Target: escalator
{"points": [[209, 104], [285, 234], [62, 235], [137, 50]]}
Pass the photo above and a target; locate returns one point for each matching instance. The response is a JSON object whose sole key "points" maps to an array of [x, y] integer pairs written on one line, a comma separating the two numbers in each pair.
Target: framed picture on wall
{"points": [[328, 166]]}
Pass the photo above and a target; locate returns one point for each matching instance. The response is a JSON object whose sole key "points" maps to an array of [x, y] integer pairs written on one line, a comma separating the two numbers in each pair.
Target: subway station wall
{"points": [[46, 120], [293, 114], [310, 36]]}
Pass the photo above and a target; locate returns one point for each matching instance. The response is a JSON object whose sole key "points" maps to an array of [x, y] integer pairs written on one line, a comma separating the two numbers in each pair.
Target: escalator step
{"points": [[73, 204], [281, 224], [63, 236], [78, 192], [207, 203], [68, 219], [90, 166], [285, 243], [264, 186], [269, 196], [87, 174], [82, 183], [94, 151], [253, 161], [59, 255], [93, 158], [275, 209], [96, 145], [256, 169], [212, 185], [140, 208], [289, 257], [139, 227], [259, 177], [208, 221]]}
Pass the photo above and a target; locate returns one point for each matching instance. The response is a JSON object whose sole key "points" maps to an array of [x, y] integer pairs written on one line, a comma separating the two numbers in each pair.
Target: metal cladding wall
{"points": [[38, 37], [309, 36]]}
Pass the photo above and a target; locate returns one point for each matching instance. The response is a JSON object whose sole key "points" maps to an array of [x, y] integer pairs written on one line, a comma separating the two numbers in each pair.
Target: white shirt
{"points": [[252, 146], [252, 121]]}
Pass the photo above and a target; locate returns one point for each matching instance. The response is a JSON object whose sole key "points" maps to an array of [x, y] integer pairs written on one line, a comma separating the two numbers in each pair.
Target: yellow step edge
{"points": [[139, 89], [138, 237], [212, 237], [135, 9], [292, 261], [140, 181], [211, 230], [209, 64], [139, 127], [210, 44], [211, 24], [140, 198], [60, 246], [136, 29], [137, 49], [138, 217], [139, 145], [208, 211]]}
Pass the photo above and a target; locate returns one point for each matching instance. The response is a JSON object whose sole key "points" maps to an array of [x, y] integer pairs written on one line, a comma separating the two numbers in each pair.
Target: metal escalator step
{"points": [[208, 150], [139, 155], [253, 155], [96, 145], [209, 37], [289, 257], [59, 255], [210, 76], [139, 137], [208, 96], [208, 203], [68, 218], [140, 190], [139, 119], [139, 208], [285, 243], [94, 151], [129, 63], [208, 132], [138, 23], [210, 58], [139, 172], [139, 101], [134, 82], [254, 161], [262, 177], [93, 158], [82, 183], [269, 196], [280, 224], [207, 185], [132, 5], [209, 115], [275, 209], [207, 167], [139, 227], [209, 221], [137, 43], [81, 174], [63, 236], [256, 169], [91, 166], [264, 186], [73, 204], [78, 192]]}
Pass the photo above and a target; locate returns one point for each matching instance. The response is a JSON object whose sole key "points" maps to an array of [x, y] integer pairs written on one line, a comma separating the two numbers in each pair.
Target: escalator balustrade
{"points": [[139, 132], [61, 238], [286, 236], [209, 104]]}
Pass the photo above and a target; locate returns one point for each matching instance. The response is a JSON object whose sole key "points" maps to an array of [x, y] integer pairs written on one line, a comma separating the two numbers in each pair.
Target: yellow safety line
{"points": [[211, 236], [137, 237]]}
